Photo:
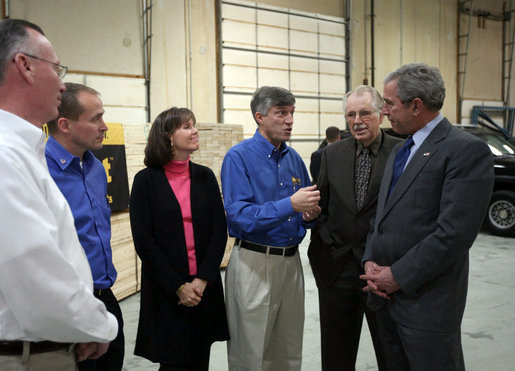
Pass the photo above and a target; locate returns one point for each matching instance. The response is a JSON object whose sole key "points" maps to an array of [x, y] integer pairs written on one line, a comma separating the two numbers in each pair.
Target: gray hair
{"points": [[14, 37], [360, 90], [418, 80], [266, 97]]}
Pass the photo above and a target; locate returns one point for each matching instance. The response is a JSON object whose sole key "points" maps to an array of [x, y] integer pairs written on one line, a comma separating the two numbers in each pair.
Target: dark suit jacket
{"points": [[425, 228], [165, 328], [341, 228], [314, 165]]}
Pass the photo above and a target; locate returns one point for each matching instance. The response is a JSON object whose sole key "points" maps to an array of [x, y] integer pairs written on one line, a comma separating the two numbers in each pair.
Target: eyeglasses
{"points": [[365, 115], [59, 69]]}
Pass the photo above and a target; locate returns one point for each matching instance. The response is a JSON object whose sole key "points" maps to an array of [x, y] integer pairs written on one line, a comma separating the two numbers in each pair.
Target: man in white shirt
{"points": [[46, 298]]}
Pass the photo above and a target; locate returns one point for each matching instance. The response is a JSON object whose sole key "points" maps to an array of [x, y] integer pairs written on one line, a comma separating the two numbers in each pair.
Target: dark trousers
{"points": [[112, 360], [200, 361], [410, 349], [342, 306]]}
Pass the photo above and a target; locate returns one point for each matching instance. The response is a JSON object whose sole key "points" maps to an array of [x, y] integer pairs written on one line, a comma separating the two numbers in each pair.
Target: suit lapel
{"points": [[377, 173], [347, 156], [386, 180], [424, 154]]}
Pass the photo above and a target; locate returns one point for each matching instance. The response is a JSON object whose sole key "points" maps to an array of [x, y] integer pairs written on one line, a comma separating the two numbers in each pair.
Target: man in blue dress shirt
{"points": [[81, 177], [269, 202]]}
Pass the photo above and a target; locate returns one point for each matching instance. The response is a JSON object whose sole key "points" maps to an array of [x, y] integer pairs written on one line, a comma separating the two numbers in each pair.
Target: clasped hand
{"points": [[191, 294], [379, 279], [91, 350]]}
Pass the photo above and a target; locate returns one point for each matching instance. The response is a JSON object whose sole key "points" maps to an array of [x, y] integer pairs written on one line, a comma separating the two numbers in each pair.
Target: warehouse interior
{"points": [[145, 56]]}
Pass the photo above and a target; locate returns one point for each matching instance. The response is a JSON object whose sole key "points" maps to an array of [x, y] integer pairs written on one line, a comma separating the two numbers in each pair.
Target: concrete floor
{"points": [[488, 329]]}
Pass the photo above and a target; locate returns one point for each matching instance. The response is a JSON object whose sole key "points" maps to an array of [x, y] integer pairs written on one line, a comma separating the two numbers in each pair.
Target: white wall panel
{"points": [[273, 38], [287, 54], [238, 33], [306, 124], [303, 23], [332, 84], [266, 17], [332, 46], [304, 42], [266, 60], [239, 77], [271, 77]]}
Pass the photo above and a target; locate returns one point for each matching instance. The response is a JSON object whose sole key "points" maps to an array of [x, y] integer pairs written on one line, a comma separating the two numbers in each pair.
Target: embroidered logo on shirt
{"points": [[296, 182]]}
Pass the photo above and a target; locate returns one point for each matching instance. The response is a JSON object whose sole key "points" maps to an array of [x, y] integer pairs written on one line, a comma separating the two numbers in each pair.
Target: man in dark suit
{"points": [[433, 197], [332, 135], [348, 198]]}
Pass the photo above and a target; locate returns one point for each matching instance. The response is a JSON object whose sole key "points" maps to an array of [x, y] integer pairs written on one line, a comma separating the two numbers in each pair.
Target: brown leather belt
{"points": [[15, 348], [282, 251]]}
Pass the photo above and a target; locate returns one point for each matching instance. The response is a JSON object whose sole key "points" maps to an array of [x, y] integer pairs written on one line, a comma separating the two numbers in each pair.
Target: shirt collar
{"points": [[30, 133], [268, 147], [374, 146], [62, 156], [422, 134]]}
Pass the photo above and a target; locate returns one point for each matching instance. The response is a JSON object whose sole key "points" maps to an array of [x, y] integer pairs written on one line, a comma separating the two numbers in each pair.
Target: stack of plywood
{"points": [[215, 141]]}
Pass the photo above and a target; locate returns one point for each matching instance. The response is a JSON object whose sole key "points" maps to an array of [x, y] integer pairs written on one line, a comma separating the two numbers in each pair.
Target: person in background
{"points": [[269, 203], [46, 289], [349, 182], [78, 129], [434, 194], [332, 135], [180, 233]]}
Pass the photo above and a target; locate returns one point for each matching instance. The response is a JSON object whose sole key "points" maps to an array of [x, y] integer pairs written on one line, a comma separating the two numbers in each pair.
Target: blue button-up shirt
{"points": [[257, 183], [85, 189]]}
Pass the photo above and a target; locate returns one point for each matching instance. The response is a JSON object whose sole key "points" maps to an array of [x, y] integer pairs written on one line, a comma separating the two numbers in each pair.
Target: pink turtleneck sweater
{"points": [[178, 175]]}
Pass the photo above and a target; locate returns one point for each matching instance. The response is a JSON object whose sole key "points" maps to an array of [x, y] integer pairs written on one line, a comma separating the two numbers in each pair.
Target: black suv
{"points": [[500, 218]]}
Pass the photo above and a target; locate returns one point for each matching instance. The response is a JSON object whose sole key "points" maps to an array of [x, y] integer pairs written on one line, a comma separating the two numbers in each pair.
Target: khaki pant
{"points": [[265, 311], [59, 360]]}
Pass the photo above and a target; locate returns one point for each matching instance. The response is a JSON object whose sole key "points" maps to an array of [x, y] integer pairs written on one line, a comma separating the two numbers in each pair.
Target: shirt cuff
{"points": [[284, 207]]}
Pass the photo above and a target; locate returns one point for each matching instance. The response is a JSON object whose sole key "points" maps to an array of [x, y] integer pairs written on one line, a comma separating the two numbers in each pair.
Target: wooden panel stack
{"points": [[215, 141]]}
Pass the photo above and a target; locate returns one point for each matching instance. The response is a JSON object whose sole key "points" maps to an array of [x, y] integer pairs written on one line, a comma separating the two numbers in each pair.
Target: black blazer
{"points": [[425, 228], [165, 328], [314, 165], [341, 228]]}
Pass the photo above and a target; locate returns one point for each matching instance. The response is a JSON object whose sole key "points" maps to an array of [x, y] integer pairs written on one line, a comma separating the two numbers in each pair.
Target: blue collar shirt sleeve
{"points": [[257, 183]]}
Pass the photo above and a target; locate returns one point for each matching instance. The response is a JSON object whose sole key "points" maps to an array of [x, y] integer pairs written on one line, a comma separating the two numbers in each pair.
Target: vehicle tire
{"points": [[500, 217]]}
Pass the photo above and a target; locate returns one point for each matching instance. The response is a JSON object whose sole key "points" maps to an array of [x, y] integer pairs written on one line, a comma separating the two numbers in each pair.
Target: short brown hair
{"points": [[332, 133], [70, 107], [159, 151]]}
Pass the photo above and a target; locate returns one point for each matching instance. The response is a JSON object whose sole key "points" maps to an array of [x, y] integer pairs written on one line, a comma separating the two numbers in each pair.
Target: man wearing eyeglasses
{"points": [[46, 289], [349, 180]]}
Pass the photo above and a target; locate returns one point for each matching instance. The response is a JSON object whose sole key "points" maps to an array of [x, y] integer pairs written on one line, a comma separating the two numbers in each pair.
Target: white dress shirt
{"points": [[45, 279]]}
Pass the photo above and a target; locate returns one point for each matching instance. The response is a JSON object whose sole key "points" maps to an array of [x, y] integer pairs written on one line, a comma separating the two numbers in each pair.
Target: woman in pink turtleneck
{"points": [[179, 229]]}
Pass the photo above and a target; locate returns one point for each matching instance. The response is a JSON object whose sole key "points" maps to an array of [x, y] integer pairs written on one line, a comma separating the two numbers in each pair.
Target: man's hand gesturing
{"points": [[305, 199]]}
